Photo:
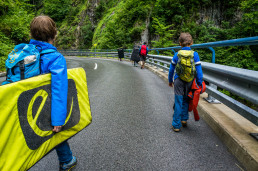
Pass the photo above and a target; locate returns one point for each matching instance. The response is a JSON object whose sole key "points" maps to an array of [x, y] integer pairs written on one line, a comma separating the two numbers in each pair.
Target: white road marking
{"points": [[96, 66]]}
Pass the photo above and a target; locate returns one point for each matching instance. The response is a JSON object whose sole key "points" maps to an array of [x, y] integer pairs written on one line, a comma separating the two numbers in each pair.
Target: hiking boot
{"points": [[175, 129], [184, 123], [68, 166]]}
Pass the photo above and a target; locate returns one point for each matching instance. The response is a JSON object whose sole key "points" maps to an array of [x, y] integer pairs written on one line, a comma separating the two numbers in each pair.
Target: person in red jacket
{"points": [[143, 53]]}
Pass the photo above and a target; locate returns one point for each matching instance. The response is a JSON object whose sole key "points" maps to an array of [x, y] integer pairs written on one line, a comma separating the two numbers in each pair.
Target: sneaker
{"points": [[175, 129], [68, 166], [184, 123]]}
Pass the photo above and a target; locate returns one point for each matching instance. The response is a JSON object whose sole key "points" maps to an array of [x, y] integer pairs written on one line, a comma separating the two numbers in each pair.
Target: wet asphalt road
{"points": [[130, 129]]}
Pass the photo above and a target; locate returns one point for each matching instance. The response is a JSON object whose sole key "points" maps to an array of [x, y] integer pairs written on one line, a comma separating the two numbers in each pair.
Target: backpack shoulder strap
{"points": [[47, 51], [186, 53], [179, 53], [192, 53]]}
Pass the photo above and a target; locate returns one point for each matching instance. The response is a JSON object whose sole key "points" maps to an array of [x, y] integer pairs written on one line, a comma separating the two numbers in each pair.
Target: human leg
{"points": [[185, 114], [185, 106], [176, 123], [143, 61], [64, 152], [65, 156], [179, 91]]}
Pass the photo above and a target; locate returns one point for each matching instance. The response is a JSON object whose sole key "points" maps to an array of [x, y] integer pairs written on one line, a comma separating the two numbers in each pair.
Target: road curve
{"points": [[130, 130]]}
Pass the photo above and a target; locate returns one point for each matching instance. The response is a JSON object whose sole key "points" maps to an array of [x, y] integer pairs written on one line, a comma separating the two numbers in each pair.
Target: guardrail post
{"points": [[211, 99], [157, 52], [213, 54], [174, 51]]}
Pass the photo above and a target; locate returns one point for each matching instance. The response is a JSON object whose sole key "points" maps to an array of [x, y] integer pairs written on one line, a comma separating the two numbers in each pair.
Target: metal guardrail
{"points": [[210, 45], [241, 82], [88, 53]]}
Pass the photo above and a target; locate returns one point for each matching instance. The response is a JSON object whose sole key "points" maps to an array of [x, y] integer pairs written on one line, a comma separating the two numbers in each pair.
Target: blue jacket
{"points": [[198, 67], [55, 64]]}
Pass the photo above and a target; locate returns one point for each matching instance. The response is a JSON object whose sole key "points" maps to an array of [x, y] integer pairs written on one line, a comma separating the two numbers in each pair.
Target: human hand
{"points": [[171, 84], [57, 128]]}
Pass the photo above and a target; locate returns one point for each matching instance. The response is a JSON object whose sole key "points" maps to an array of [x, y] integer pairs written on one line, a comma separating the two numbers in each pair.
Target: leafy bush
{"points": [[57, 9], [164, 33], [122, 25], [14, 20]]}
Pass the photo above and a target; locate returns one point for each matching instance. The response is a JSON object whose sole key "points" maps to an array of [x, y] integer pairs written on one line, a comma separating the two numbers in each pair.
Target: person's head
{"points": [[43, 28], [144, 43], [185, 39]]}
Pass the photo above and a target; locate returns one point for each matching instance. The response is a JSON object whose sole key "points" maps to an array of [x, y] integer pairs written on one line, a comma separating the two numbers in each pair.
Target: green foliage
{"points": [[75, 31], [112, 24], [249, 24], [57, 9], [185, 17], [100, 9], [122, 25], [164, 32], [6, 47], [14, 21], [87, 35]]}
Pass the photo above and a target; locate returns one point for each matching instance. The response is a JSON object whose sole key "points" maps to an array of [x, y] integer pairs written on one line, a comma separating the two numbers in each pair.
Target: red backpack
{"points": [[143, 50]]}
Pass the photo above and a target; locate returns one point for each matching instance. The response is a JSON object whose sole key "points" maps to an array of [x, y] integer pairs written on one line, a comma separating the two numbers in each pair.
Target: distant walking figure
{"points": [[143, 53], [120, 53], [135, 55], [188, 66]]}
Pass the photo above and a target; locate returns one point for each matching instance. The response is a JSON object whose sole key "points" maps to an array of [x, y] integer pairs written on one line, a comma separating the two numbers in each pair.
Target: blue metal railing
{"points": [[211, 45]]}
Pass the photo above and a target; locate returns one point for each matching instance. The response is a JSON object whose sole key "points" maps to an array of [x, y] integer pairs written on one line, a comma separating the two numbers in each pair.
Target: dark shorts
{"points": [[142, 58], [181, 87]]}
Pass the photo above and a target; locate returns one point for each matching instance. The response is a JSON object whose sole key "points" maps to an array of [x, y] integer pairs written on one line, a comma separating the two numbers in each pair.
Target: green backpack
{"points": [[185, 67]]}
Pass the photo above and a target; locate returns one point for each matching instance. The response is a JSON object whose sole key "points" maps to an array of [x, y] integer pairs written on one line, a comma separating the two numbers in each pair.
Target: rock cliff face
{"points": [[145, 34], [215, 12], [92, 4], [87, 14], [139, 28], [78, 32]]}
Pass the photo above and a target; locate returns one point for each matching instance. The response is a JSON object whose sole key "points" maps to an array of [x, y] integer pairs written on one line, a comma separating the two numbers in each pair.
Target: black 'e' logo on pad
{"points": [[34, 110]]}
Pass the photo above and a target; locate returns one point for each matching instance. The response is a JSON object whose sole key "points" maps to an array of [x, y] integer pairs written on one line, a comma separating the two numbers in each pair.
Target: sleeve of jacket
{"points": [[147, 50], [140, 50], [59, 91], [198, 68], [172, 68]]}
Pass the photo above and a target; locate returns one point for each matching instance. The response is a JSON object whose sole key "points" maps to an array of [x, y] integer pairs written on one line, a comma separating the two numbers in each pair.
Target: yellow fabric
{"points": [[14, 152], [185, 67]]}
